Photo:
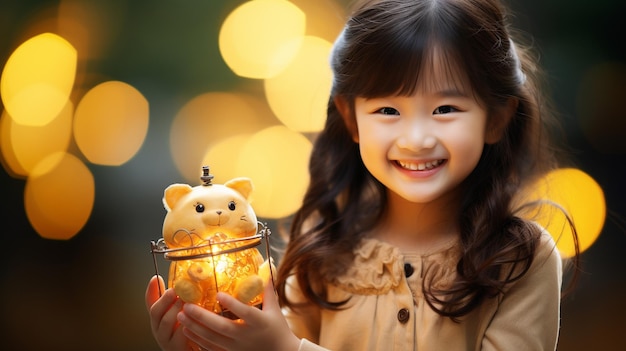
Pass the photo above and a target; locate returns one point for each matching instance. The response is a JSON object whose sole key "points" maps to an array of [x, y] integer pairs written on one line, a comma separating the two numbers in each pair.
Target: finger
{"points": [[155, 287], [238, 308], [202, 342], [206, 327], [163, 311]]}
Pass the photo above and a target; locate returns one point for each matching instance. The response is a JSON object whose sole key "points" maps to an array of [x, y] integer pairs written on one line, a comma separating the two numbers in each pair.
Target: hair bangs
{"points": [[443, 70], [394, 67], [399, 57], [425, 66]]}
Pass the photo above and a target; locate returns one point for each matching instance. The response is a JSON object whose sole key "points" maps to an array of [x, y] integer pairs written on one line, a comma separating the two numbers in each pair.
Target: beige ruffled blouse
{"points": [[379, 267], [387, 309]]}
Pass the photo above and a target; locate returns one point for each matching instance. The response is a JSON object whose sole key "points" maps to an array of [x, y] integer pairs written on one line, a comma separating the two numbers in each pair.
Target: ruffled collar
{"points": [[378, 267]]}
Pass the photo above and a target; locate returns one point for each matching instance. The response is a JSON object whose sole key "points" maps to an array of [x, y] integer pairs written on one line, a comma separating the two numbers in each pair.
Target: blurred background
{"points": [[106, 103]]}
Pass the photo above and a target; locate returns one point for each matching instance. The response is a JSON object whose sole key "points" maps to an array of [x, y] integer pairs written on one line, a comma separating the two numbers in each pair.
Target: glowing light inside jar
{"points": [[198, 280]]}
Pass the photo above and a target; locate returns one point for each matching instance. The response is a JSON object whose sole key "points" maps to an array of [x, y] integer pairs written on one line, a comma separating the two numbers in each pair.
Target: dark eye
{"points": [[199, 208], [388, 111], [444, 109], [232, 206]]}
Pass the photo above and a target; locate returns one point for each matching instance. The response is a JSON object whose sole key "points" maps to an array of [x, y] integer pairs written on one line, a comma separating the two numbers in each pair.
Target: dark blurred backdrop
{"points": [[87, 293]]}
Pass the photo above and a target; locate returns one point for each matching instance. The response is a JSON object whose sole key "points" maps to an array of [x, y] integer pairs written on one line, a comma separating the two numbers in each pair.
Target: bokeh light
{"points": [[223, 157], [7, 154], [59, 196], [259, 38], [111, 123], [276, 159], [581, 197], [24, 146], [170, 52], [299, 94], [324, 18], [208, 119], [38, 78]]}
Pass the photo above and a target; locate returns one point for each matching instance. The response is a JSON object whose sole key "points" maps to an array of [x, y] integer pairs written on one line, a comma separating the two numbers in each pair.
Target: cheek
{"points": [[373, 149], [467, 146], [367, 139], [368, 152]]}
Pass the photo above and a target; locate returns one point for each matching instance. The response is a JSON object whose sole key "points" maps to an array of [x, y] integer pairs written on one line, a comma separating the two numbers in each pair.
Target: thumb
{"points": [[270, 299], [155, 288]]}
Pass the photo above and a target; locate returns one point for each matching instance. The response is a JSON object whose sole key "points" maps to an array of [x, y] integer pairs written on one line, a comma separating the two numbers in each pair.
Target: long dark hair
{"points": [[383, 50]]}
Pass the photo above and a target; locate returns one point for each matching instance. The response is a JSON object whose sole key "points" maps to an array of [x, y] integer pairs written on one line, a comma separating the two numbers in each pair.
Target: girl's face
{"points": [[422, 146]]}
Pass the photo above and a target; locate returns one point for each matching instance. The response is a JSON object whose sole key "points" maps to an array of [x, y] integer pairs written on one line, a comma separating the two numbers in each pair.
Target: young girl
{"points": [[410, 235]]}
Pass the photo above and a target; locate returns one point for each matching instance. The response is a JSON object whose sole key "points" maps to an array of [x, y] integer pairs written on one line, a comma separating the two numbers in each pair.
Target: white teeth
{"points": [[420, 166]]}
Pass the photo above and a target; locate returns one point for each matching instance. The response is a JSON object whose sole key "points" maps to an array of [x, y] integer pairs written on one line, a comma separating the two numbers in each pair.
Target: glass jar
{"points": [[199, 272]]}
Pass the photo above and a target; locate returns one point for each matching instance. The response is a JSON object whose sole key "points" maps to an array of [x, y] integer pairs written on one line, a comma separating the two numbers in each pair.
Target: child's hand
{"points": [[255, 327], [165, 327]]}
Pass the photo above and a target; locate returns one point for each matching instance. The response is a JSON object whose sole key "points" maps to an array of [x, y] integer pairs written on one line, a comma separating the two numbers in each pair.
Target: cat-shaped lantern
{"points": [[210, 234]]}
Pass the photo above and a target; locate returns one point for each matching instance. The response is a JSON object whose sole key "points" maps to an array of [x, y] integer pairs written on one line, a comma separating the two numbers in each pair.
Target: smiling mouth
{"points": [[420, 166]]}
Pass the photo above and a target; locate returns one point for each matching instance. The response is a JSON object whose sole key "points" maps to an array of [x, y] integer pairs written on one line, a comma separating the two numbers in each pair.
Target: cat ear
{"points": [[173, 194], [241, 185]]}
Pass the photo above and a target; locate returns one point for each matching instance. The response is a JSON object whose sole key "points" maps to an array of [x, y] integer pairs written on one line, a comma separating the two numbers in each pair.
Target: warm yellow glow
{"points": [[299, 94], [38, 78], [198, 280], [111, 123], [581, 197], [324, 18], [276, 159], [59, 202], [259, 38], [223, 157], [208, 119], [7, 154], [28, 145]]}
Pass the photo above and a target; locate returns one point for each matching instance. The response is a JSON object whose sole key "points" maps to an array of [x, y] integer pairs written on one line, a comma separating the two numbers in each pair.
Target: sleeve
{"points": [[528, 315], [304, 321], [306, 345]]}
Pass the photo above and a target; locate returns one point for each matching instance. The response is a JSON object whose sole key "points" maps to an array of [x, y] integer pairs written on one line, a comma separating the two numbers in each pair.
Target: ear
{"points": [[498, 122], [344, 110], [241, 185], [174, 193]]}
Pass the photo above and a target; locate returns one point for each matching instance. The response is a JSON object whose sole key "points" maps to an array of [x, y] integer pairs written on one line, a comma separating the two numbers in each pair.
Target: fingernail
{"points": [[221, 296], [190, 308], [181, 317]]}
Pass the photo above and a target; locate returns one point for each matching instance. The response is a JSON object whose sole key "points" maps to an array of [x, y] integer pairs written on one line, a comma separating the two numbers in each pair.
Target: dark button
{"points": [[408, 270], [403, 315]]}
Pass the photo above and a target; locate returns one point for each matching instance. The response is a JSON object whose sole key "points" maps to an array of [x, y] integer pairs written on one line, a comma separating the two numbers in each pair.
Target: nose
{"points": [[417, 134], [215, 217]]}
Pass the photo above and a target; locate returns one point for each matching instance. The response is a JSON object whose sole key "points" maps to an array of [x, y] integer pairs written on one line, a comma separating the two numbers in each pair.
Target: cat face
{"points": [[196, 214]]}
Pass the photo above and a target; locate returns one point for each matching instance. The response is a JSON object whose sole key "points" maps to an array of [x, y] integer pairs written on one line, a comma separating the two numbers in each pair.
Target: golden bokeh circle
{"points": [[59, 196], [276, 159], [38, 78], [580, 196], [24, 146], [259, 38], [208, 119], [299, 94], [111, 123]]}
